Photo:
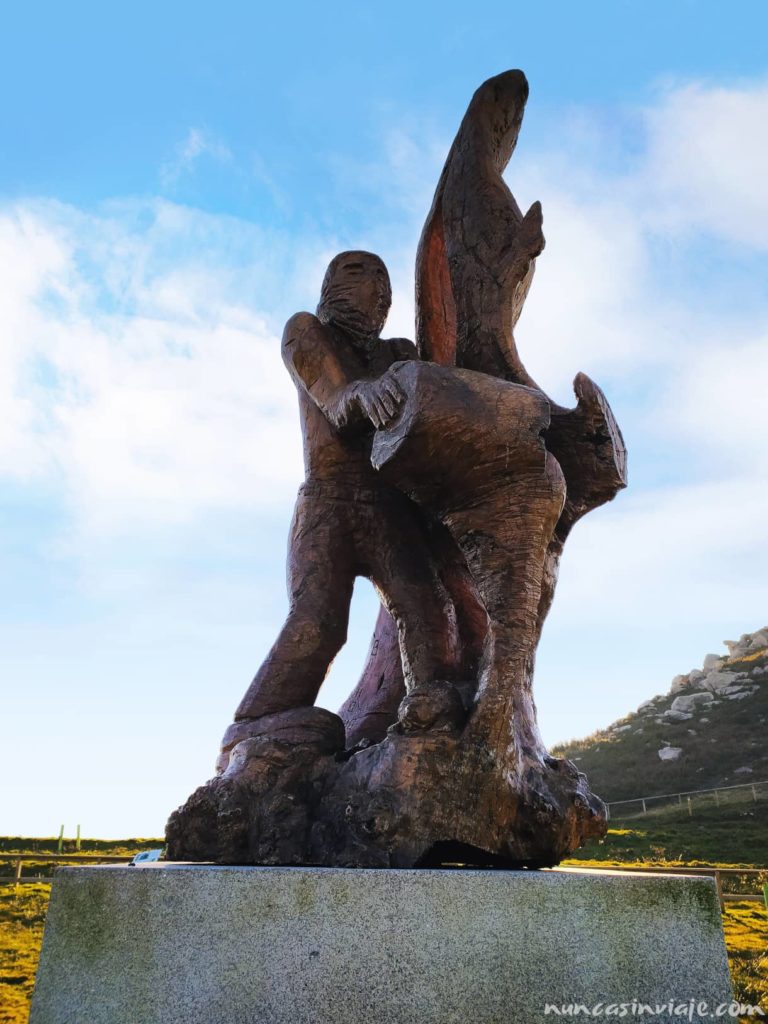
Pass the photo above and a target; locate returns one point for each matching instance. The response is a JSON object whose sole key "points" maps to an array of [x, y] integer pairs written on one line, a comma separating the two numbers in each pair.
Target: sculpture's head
{"points": [[497, 108], [356, 294]]}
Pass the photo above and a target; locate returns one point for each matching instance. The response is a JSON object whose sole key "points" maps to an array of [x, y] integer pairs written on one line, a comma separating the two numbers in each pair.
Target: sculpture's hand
{"points": [[380, 400]]}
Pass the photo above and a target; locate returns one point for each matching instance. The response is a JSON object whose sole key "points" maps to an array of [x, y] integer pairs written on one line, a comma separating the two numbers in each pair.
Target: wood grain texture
{"points": [[446, 475]]}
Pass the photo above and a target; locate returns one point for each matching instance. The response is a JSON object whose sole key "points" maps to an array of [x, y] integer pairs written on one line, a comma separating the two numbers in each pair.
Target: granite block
{"points": [[202, 944]]}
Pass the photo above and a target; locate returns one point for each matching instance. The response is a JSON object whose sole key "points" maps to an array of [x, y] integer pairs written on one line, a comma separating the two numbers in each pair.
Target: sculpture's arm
{"points": [[308, 352]]}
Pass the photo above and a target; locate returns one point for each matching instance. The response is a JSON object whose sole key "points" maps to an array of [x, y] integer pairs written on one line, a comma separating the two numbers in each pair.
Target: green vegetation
{"points": [[22, 914], [736, 836], [746, 936]]}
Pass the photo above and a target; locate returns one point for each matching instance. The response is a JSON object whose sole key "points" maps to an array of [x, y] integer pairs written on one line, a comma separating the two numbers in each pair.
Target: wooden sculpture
{"points": [[442, 472]]}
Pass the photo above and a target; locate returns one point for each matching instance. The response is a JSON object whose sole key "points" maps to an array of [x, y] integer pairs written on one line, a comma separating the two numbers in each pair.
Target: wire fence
{"points": [[690, 801]]}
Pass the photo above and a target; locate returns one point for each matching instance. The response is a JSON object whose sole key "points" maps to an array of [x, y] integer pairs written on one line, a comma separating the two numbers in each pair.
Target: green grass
{"points": [[22, 914], [746, 938], [726, 835]]}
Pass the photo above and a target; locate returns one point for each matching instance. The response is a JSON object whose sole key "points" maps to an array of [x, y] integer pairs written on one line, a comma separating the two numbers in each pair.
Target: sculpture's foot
{"points": [[261, 806], [420, 796], [433, 707], [424, 796], [312, 725]]}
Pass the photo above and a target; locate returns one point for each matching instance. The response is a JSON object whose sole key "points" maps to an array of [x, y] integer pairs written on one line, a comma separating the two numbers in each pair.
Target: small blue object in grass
{"points": [[146, 856]]}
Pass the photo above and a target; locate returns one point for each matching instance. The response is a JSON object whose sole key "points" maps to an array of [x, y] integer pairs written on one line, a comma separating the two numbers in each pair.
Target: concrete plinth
{"points": [[183, 944]]}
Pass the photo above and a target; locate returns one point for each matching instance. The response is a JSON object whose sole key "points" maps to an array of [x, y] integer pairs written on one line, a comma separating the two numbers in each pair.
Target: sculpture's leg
{"points": [[402, 571], [321, 575], [372, 706], [507, 558]]}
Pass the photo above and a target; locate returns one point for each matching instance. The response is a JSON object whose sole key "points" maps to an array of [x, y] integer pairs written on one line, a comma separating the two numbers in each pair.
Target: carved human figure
{"points": [[452, 481], [348, 522]]}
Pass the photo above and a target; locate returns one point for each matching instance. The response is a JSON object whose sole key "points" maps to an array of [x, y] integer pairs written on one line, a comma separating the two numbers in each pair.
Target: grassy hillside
{"points": [[722, 744]]}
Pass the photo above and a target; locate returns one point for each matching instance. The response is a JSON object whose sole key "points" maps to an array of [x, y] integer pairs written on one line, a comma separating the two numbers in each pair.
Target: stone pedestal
{"points": [[205, 944]]}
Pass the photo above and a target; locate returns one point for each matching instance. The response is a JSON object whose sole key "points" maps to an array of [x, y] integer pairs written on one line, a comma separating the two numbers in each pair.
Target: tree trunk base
{"points": [[392, 804]]}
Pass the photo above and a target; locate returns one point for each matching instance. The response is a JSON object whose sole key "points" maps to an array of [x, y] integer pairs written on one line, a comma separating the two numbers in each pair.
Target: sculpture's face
{"points": [[356, 294]]}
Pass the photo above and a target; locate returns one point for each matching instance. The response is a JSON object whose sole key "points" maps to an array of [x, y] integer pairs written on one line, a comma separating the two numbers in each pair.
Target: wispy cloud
{"points": [[140, 375], [196, 144]]}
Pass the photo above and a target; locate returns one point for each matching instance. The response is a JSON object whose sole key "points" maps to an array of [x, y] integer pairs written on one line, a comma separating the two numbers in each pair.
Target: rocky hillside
{"points": [[708, 730]]}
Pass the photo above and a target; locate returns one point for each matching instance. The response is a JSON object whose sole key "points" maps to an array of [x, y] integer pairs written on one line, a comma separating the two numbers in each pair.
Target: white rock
{"points": [[712, 661], [670, 753], [677, 716], [738, 696], [744, 771], [678, 683], [621, 728], [703, 719], [747, 643], [645, 706], [696, 675], [715, 682], [690, 701]]}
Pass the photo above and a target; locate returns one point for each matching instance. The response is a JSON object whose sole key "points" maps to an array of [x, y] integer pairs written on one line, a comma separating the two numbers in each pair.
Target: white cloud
{"points": [[196, 144], [30, 260], [150, 388], [708, 161], [693, 549]]}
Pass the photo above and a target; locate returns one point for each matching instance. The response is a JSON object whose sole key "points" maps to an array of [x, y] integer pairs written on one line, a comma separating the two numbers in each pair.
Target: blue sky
{"points": [[173, 183]]}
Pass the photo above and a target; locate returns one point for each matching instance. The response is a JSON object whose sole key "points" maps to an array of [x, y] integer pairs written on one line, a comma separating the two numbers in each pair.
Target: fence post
{"points": [[680, 799], [77, 841], [754, 794], [690, 812], [17, 876], [717, 799], [644, 808], [60, 846]]}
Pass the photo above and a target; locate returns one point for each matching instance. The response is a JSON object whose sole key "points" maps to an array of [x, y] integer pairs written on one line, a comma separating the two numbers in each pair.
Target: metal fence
{"points": [[47, 861], [689, 801]]}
